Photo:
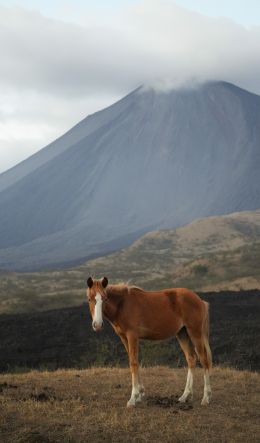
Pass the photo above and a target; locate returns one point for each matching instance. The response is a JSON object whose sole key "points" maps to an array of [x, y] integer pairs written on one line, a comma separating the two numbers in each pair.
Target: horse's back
{"points": [[177, 297], [189, 297], [185, 303], [165, 310]]}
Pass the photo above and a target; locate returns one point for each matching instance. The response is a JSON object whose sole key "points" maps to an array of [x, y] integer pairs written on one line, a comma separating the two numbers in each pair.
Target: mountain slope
{"points": [[152, 160], [70, 138], [215, 253]]}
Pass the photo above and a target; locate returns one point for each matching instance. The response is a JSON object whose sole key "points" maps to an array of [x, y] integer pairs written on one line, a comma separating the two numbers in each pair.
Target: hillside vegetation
{"points": [[90, 406], [215, 253]]}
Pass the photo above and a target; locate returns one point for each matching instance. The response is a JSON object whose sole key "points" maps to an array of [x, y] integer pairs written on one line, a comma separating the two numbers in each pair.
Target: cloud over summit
{"points": [[81, 67]]}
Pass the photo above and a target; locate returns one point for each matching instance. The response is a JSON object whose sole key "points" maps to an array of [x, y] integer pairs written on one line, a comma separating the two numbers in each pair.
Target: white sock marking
{"points": [[188, 388], [207, 389], [137, 391]]}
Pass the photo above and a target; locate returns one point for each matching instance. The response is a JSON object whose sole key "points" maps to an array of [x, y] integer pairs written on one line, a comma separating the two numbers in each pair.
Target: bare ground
{"points": [[90, 406]]}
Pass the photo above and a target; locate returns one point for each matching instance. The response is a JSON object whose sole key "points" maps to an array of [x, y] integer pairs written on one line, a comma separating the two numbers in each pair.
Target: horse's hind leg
{"points": [[203, 350], [190, 354]]}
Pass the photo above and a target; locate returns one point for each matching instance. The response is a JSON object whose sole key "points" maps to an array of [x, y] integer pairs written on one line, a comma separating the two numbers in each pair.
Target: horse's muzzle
{"points": [[97, 326]]}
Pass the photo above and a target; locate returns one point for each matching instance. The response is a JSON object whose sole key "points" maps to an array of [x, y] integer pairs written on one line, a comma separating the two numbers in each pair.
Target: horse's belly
{"points": [[159, 330]]}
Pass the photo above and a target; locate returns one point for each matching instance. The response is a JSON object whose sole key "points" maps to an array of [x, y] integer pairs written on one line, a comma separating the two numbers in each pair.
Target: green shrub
{"points": [[200, 269]]}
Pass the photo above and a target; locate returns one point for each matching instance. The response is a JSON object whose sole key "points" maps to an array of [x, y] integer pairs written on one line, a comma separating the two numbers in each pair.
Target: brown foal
{"points": [[156, 315]]}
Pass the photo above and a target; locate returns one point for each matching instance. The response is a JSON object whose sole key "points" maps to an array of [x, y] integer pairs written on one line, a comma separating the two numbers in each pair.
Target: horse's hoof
{"points": [[185, 396], [141, 391], [205, 401], [130, 405]]}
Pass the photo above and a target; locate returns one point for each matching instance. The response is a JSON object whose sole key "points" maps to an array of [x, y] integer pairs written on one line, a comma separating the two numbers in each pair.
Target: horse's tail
{"points": [[205, 334]]}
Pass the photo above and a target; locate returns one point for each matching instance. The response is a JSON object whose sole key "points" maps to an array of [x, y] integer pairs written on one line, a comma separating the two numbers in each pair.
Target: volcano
{"points": [[155, 159]]}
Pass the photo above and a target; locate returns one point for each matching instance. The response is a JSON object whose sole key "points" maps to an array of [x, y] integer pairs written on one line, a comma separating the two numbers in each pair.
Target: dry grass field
{"points": [[90, 406]]}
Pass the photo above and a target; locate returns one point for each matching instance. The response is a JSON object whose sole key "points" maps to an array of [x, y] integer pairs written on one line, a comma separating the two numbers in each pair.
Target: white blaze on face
{"points": [[98, 317]]}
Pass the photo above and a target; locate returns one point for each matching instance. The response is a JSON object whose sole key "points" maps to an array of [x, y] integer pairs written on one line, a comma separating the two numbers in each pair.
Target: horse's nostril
{"points": [[97, 326]]}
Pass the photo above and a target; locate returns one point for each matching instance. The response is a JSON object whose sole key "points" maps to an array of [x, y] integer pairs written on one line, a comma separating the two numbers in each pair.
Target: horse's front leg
{"points": [[137, 388]]}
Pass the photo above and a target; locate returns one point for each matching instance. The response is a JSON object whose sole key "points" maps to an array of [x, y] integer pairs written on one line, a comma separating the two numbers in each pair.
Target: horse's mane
{"points": [[136, 287], [122, 288]]}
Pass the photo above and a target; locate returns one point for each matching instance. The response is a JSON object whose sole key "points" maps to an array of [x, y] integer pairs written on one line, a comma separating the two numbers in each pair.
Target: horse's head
{"points": [[96, 295]]}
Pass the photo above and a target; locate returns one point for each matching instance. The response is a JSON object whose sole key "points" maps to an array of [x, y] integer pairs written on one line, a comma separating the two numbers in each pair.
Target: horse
{"points": [[154, 315]]}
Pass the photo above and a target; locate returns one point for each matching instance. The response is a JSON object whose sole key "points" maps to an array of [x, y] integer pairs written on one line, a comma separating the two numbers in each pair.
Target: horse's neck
{"points": [[115, 299]]}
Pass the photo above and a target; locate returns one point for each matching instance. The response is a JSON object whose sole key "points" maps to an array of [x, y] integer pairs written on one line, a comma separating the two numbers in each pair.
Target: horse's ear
{"points": [[104, 282], [90, 282]]}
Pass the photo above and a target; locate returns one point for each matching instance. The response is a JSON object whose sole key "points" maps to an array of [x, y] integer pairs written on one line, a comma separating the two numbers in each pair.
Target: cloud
{"points": [[156, 40], [30, 120], [54, 72]]}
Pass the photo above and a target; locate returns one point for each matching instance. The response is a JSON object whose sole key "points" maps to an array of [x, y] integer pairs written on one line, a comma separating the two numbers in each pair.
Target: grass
{"points": [[90, 405]]}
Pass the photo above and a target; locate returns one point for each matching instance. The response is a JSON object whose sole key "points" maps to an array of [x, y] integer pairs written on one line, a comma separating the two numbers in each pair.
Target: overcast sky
{"points": [[64, 59]]}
